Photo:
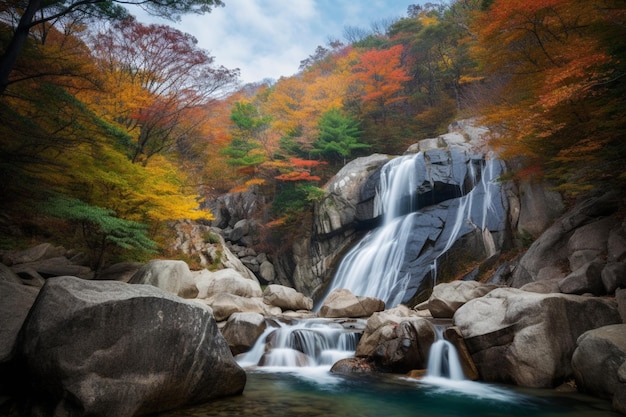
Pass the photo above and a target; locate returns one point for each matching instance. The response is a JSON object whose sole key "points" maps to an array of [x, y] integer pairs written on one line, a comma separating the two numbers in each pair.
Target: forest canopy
{"points": [[136, 120]]}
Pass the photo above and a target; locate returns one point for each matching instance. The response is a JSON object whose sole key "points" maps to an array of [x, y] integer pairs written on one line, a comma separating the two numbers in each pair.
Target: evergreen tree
{"points": [[246, 148], [101, 229], [338, 137]]}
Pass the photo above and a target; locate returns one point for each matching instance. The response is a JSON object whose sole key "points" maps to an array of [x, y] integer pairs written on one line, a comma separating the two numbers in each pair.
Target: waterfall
{"points": [[378, 255], [427, 201], [308, 343], [443, 359]]}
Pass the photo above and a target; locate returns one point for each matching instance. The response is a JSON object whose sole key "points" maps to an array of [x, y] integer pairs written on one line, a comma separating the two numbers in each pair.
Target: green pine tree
{"points": [[338, 137]]}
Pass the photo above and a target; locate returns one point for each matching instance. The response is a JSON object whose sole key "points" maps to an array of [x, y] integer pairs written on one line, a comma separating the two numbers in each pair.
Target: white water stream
{"points": [[443, 359], [306, 343]]}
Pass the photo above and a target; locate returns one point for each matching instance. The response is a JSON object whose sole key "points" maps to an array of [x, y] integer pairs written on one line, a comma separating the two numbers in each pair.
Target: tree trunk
{"points": [[14, 48]]}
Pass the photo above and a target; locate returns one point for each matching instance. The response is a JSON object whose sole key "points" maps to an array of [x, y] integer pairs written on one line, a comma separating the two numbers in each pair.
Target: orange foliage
{"points": [[563, 80], [276, 223], [246, 186], [298, 176], [381, 76], [306, 163]]}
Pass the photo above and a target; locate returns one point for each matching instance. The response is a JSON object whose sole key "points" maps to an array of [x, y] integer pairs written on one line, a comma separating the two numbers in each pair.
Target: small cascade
{"points": [[308, 343], [443, 359]]}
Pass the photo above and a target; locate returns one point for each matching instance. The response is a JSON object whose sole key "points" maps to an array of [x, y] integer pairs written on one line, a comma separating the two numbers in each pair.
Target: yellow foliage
{"points": [[246, 186]]}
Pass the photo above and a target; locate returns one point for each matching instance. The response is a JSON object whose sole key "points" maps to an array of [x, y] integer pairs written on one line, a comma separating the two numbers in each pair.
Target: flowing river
{"points": [[316, 392], [289, 375]]}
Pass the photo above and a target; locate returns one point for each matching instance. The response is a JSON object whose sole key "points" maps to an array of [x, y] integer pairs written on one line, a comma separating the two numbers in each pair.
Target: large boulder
{"points": [[539, 206], [229, 281], [614, 276], [380, 327], [108, 348], [597, 361], [286, 298], [15, 303], [170, 276], [446, 298], [342, 303], [352, 366], [565, 243], [242, 330], [403, 347], [528, 338], [586, 279]]}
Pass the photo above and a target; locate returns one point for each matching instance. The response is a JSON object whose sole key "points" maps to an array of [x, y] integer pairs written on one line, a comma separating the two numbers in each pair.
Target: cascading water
{"points": [[307, 343], [443, 359], [428, 201]]}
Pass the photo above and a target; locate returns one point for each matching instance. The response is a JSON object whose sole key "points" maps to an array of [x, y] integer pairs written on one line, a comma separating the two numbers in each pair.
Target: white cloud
{"points": [[265, 39], [269, 38]]}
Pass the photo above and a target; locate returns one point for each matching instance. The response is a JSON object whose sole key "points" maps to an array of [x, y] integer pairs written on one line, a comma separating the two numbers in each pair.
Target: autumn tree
{"points": [[27, 15], [53, 144], [563, 62], [297, 103], [159, 78], [381, 76], [216, 177], [436, 40]]}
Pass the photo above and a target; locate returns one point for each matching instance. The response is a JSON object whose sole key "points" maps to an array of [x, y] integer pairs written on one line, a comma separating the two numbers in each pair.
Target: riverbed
{"points": [[317, 392]]}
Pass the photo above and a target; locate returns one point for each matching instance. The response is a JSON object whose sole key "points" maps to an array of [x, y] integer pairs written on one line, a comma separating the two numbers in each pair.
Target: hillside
{"points": [[101, 152]]}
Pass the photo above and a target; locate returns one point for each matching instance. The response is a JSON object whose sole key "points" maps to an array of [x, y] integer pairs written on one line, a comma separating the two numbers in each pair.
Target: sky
{"points": [[267, 39]]}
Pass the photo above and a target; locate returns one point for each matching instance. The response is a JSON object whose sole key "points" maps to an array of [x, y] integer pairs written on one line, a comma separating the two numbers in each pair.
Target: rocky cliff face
{"points": [[470, 230]]}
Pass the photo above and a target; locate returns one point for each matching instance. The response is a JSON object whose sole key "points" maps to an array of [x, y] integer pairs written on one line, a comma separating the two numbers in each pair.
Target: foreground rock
{"points": [[15, 302], [112, 349], [396, 340], [599, 364], [530, 337], [342, 303]]}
